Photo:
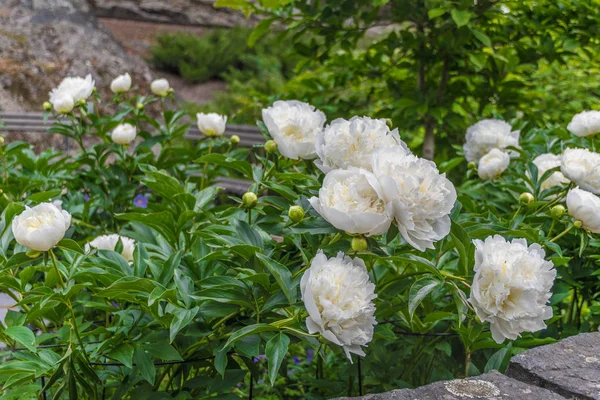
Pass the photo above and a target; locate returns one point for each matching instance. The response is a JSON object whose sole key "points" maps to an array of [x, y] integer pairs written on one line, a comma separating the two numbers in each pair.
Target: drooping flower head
{"points": [[545, 162], [585, 207], [344, 143], [493, 164], [486, 135], [421, 197], [294, 126], [582, 167], [41, 227], [211, 124], [78, 88], [351, 200], [511, 287], [109, 242], [338, 296], [586, 123]]}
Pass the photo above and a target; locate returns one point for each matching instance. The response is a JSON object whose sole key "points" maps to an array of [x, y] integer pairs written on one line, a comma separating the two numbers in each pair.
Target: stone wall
{"points": [[569, 369]]}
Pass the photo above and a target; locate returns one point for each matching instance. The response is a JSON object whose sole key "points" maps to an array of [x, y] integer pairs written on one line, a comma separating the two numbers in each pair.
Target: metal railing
{"points": [[34, 122]]}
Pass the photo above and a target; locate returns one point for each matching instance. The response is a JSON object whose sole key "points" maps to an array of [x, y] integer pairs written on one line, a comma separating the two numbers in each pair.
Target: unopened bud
{"points": [[170, 91], [296, 213], [472, 165], [526, 198], [249, 200], [557, 211], [1, 139], [389, 123], [270, 146], [234, 139], [47, 106], [578, 224], [359, 244], [139, 106]]}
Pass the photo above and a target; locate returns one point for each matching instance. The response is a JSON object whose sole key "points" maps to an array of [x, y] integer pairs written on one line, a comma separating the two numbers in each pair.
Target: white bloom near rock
{"points": [[486, 135], [121, 83], [493, 164], [585, 207], [344, 143], [78, 88], [545, 162], [585, 123], [160, 87], [512, 286], [582, 167], [338, 296], [124, 134], [63, 103], [211, 124], [41, 227], [294, 126], [421, 198], [351, 200], [109, 242]]}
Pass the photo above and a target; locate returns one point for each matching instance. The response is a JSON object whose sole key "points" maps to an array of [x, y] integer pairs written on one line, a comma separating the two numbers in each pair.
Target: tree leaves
{"points": [[276, 349]]}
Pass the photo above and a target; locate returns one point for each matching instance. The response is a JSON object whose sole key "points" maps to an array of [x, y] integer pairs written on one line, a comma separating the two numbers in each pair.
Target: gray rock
{"points": [[490, 386], [570, 367]]}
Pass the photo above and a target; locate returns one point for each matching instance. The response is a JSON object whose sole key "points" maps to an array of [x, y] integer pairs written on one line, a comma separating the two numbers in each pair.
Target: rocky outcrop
{"points": [[42, 41]]}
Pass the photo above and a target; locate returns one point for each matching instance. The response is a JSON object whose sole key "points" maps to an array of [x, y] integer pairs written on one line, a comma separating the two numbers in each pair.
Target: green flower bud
{"points": [[234, 139], [139, 106], [249, 200], [578, 224], [557, 211], [526, 198], [47, 106], [270, 146], [33, 253], [472, 165], [170, 91], [389, 123], [359, 244], [296, 213], [1, 141]]}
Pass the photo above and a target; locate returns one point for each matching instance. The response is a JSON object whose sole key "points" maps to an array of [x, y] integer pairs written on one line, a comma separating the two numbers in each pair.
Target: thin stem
{"points": [[563, 233], [468, 363], [55, 263], [551, 228], [249, 216], [360, 387], [205, 170]]}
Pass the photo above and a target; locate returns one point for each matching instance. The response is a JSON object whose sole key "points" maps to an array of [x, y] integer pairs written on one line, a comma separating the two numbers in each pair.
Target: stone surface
{"points": [[490, 386], [570, 367]]}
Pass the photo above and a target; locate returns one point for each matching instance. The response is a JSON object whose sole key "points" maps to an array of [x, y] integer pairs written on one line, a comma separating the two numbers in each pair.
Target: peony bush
{"points": [[350, 265]]}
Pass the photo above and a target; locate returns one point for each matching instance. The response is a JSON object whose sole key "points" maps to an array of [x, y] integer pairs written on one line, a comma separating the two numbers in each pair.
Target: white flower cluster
{"points": [[512, 286], [70, 91], [586, 123], [338, 296]]}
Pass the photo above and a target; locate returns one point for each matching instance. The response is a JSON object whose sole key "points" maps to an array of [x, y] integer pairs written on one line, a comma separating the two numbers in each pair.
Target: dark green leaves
{"points": [[276, 349], [418, 291], [282, 275], [22, 335]]}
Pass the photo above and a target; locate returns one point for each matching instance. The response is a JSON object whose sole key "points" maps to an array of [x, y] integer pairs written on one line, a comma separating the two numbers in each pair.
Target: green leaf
{"points": [[248, 330], [435, 12], [123, 353], [418, 291], [275, 350], [483, 38], [163, 222], [247, 233], [163, 350], [181, 319], [282, 275], [22, 335], [44, 196], [261, 29], [144, 364], [70, 245], [497, 359], [460, 17], [243, 167]]}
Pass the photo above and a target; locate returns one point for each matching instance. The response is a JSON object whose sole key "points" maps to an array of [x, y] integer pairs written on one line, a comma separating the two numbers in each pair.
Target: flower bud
{"points": [[1, 141], [270, 146], [296, 213], [472, 165], [389, 123], [526, 198], [63, 103], [139, 106], [47, 106], [557, 211], [249, 200], [234, 139], [160, 87], [578, 224], [121, 83], [359, 244]]}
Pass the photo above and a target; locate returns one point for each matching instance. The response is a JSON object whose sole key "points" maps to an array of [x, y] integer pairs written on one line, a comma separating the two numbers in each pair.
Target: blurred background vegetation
{"points": [[434, 67]]}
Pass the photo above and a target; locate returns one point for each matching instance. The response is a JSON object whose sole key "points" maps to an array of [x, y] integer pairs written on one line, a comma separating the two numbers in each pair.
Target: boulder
{"points": [[570, 367]]}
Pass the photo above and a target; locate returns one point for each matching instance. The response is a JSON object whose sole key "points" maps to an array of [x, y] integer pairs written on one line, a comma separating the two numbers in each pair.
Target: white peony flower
{"points": [[6, 303], [63, 103], [585, 207], [351, 201], [511, 286], [160, 87], [78, 88], [41, 227], [486, 135], [338, 296], [124, 134], [121, 83], [493, 164], [109, 242], [294, 126], [345, 144], [211, 124], [582, 167], [585, 123], [421, 197], [545, 162]]}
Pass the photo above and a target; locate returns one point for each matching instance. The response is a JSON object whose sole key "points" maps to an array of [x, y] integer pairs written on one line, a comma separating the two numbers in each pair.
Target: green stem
{"points": [[551, 228], [205, 170], [563, 233], [55, 263]]}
